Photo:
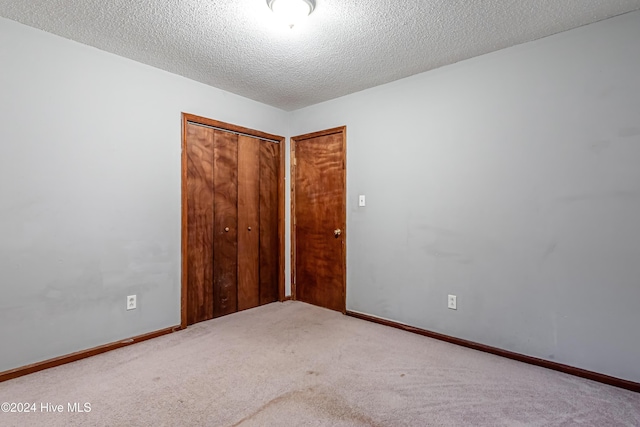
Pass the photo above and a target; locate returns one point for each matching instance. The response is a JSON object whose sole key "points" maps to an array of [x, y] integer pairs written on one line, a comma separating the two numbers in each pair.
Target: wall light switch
{"points": [[361, 201]]}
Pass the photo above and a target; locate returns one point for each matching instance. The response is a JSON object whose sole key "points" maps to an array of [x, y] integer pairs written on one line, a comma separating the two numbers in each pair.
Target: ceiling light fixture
{"points": [[292, 11]]}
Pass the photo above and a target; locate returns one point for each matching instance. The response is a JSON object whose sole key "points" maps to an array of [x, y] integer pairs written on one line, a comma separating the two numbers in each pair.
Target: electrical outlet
{"points": [[452, 303], [131, 302]]}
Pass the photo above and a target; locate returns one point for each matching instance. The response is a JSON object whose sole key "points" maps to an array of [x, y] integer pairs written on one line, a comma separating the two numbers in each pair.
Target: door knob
{"points": [[226, 229], [337, 233], [249, 228]]}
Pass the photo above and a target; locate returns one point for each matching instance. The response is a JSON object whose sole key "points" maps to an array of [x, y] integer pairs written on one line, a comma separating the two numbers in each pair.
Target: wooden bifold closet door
{"points": [[232, 236]]}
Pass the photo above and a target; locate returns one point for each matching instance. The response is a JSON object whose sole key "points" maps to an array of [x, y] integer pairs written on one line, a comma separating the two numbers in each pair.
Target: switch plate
{"points": [[452, 303], [131, 302], [361, 201]]}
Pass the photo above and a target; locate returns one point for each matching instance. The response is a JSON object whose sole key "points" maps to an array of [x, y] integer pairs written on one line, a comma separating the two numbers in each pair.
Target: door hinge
{"points": [[295, 161]]}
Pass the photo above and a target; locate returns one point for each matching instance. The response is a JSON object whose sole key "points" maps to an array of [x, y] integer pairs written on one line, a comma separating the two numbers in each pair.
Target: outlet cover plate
{"points": [[132, 303], [452, 302]]}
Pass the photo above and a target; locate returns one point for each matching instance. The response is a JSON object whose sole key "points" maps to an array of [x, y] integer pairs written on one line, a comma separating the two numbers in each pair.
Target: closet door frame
{"points": [[191, 118]]}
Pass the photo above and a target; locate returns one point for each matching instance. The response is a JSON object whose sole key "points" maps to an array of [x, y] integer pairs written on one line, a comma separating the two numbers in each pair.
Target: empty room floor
{"points": [[293, 364]]}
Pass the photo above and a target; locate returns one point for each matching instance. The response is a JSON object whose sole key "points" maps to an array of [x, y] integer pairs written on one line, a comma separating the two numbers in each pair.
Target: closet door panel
{"points": [[199, 190], [269, 243], [248, 221], [225, 224]]}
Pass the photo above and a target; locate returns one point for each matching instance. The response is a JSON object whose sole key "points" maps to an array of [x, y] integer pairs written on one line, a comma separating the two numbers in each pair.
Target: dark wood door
{"points": [[248, 222], [212, 223], [232, 234], [319, 216], [199, 223], [258, 241], [270, 238], [225, 223]]}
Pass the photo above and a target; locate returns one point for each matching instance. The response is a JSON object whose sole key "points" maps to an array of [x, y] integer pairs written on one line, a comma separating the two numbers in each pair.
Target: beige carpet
{"points": [[292, 364]]}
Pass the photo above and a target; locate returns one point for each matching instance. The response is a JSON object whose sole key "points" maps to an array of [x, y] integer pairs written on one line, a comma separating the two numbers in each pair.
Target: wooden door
{"points": [[270, 239], [212, 223], [248, 222], [225, 223], [199, 223], [233, 219], [258, 242], [319, 218]]}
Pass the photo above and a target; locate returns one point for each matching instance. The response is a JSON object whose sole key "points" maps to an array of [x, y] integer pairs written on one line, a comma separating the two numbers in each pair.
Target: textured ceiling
{"points": [[343, 47]]}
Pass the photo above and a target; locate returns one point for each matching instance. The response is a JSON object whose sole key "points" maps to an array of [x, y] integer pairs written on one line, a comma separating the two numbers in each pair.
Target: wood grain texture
{"points": [[186, 120], [184, 292], [269, 242], [248, 222], [281, 219], [231, 127], [292, 215], [590, 375], [320, 208], [199, 223], [225, 223], [339, 130]]}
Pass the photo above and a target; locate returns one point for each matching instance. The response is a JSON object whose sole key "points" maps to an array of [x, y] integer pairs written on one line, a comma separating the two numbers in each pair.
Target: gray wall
{"points": [[511, 180], [90, 192]]}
